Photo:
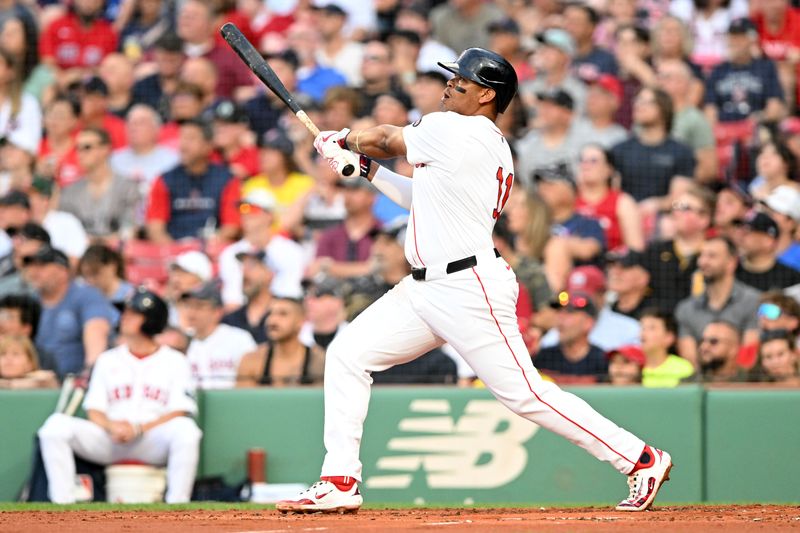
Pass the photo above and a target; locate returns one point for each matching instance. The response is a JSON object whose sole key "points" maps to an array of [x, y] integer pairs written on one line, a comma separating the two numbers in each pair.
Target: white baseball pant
{"points": [[175, 443], [475, 311]]}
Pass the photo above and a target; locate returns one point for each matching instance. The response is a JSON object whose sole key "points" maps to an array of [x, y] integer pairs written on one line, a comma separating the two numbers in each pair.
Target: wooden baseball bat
{"points": [[255, 62]]}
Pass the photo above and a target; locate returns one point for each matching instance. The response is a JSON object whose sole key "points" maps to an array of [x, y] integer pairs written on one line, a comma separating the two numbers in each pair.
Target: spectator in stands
{"points": [[77, 41], [216, 349], [404, 47], [759, 267], [625, 365], [103, 267], [689, 125], [778, 25], [377, 74], [574, 358], [426, 93], [555, 138], [66, 231], [147, 22], [462, 24], [71, 344], [649, 159], [337, 51], [584, 236], [93, 94], [672, 41], [116, 71], [610, 329], [17, 155], [603, 98], [718, 351], [202, 72], [615, 210], [256, 286], [20, 114], [233, 140], [284, 257], [709, 23], [590, 60], [19, 315], [20, 39], [552, 62], [661, 368], [632, 51], [343, 251], [103, 201], [783, 205], [144, 159], [744, 87], [284, 361], [776, 166], [629, 281], [724, 298], [325, 311], [26, 240], [730, 210], [313, 79], [197, 197], [414, 17], [58, 157], [320, 208], [15, 210], [777, 359], [265, 109], [19, 365], [155, 90], [188, 271], [278, 173], [196, 28], [777, 311]]}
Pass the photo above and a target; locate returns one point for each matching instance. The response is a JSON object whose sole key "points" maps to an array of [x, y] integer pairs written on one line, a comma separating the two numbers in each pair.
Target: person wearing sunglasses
{"points": [[718, 351], [759, 266], [779, 311]]}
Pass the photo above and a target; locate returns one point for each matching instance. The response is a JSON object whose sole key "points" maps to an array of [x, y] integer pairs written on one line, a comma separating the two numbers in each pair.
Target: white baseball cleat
{"points": [[645, 482], [325, 496]]}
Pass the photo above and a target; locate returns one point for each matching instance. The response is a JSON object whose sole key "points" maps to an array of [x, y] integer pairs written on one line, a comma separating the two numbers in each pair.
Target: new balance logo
{"points": [[483, 448]]}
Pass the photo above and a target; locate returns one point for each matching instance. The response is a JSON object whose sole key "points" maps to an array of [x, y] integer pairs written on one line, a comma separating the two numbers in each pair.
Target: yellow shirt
{"points": [[295, 186], [667, 374]]}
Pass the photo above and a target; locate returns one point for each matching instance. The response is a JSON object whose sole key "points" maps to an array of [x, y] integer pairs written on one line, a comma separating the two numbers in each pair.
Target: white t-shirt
{"points": [[347, 61], [140, 390], [463, 172], [215, 359], [25, 128], [285, 258], [710, 34], [66, 233], [144, 169]]}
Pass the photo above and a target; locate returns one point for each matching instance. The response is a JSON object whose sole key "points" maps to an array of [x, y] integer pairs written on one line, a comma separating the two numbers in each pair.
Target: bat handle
{"points": [[307, 122]]}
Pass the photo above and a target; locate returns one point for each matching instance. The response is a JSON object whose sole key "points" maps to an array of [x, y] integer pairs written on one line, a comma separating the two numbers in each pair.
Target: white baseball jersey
{"points": [[215, 359], [458, 194], [138, 390]]}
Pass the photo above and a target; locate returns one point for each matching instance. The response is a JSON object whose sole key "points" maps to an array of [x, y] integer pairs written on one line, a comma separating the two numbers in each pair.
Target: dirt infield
{"points": [[689, 518]]}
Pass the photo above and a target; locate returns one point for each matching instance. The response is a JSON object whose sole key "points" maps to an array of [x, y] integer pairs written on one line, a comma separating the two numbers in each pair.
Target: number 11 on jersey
{"points": [[504, 184]]}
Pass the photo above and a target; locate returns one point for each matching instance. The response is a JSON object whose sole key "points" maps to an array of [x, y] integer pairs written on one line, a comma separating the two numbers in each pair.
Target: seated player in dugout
{"points": [[463, 173]]}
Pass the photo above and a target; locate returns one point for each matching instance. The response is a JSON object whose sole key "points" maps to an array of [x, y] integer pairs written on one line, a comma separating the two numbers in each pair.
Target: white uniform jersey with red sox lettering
{"points": [[215, 359], [126, 387], [458, 193]]}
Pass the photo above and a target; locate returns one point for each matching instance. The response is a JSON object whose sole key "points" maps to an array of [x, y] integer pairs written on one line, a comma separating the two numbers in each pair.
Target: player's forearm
{"points": [[95, 339], [99, 418], [395, 186], [380, 142], [161, 420]]}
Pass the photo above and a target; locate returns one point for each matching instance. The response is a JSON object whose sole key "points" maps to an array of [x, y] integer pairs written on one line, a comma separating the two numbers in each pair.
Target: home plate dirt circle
{"points": [[699, 518]]}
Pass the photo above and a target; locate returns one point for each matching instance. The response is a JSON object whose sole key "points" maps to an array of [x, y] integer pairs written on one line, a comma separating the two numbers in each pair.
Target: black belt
{"points": [[456, 266]]}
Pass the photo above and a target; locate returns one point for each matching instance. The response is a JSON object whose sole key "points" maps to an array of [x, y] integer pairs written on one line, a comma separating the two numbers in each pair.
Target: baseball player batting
{"points": [[137, 402], [460, 291]]}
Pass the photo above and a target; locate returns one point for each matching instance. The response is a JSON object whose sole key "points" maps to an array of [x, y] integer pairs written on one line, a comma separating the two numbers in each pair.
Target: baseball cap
{"points": [[94, 85], [630, 352], [586, 279], [575, 301], [287, 56], [194, 262], [627, 259], [258, 255], [608, 83], [46, 255], [506, 25], [330, 8], [434, 75], [554, 173], [31, 231], [560, 97], [324, 286], [260, 198], [199, 122], [17, 198], [762, 223], [557, 38], [742, 25], [42, 185], [229, 111], [208, 292], [169, 42], [395, 229], [785, 200], [276, 139], [356, 183]]}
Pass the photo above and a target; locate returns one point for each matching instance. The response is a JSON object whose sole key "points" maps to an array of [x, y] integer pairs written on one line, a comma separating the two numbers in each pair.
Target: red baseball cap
{"points": [[587, 279], [608, 83], [630, 352]]}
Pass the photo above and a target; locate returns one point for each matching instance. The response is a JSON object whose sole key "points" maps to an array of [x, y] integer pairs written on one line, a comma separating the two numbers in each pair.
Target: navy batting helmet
{"points": [[488, 69], [152, 307]]}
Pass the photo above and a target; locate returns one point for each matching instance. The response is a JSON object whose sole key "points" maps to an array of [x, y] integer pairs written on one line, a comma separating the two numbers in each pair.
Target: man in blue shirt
{"points": [[76, 319], [744, 86]]}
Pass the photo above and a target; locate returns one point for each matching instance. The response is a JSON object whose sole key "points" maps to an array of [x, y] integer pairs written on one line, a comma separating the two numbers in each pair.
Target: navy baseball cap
{"points": [[231, 112], [630, 258], [560, 97], [47, 255], [575, 301], [208, 292], [762, 223], [742, 25], [504, 26]]}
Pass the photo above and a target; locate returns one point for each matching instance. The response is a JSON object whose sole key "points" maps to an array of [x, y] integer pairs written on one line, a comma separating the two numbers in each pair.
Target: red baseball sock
{"points": [[646, 460], [343, 483]]}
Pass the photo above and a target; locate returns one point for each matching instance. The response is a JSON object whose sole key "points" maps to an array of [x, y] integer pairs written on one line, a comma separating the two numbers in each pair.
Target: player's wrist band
{"points": [[364, 164]]}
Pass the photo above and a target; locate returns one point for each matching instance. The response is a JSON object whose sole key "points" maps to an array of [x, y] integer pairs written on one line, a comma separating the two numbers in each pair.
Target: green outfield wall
{"points": [[447, 445]]}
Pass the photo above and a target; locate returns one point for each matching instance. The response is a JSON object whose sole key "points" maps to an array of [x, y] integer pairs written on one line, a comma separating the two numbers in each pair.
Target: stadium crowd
{"points": [[654, 223]]}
